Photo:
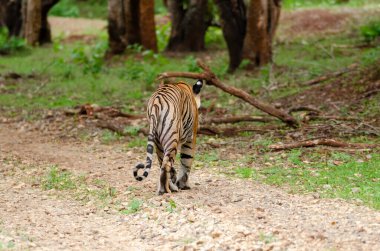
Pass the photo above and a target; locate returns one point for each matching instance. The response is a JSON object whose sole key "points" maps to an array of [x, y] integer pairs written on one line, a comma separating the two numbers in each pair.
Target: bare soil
{"points": [[219, 212]]}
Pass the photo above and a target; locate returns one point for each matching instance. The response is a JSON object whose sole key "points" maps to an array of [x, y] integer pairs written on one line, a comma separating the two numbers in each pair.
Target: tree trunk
{"points": [[262, 21], [148, 25], [45, 32], [32, 21], [117, 26], [189, 25], [13, 15], [131, 22], [233, 22]]}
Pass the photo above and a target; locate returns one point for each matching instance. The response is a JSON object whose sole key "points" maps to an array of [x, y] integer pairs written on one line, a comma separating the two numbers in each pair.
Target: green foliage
{"points": [[191, 63], [163, 33], [91, 58], [214, 38], [133, 207], [10, 44], [58, 179], [159, 7], [65, 8], [146, 69], [86, 9], [370, 31]]}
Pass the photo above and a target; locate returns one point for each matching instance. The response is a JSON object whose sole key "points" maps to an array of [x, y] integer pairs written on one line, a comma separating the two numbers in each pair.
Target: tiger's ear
{"points": [[197, 87]]}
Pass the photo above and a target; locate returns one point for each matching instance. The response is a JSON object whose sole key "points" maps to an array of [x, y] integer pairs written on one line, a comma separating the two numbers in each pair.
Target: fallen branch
{"points": [[304, 108], [236, 119], [326, 117], [370, 93], [321, 142], [231, 131], [91, 110], [321, 79], [212, 79], [119, 130]]}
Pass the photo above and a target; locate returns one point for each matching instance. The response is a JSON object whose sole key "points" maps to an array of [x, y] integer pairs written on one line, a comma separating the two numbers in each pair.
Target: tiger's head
{"points": [[196, 90]]}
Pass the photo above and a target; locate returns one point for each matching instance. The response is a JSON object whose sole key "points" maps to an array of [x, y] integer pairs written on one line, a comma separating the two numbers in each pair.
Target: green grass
{"points": [[338, 175], [74, 75], [58, 180], [133, 207], [172, 206], [244, 172], [80, 188], [295, 4]]}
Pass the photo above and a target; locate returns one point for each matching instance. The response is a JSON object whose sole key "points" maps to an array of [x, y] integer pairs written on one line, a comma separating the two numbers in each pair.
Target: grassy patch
{"points": [[59, 180], [133, 206], [244, 172], [80, 188], [331, 175], [293, 4]]}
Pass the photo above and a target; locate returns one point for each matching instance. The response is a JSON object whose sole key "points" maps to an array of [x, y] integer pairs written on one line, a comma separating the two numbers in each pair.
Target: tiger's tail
{"points": [[149, 159]]}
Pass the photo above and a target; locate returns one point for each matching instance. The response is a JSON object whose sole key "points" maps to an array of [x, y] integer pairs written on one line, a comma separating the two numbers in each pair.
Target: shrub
{"points": [[370, 31], [10, 44]]}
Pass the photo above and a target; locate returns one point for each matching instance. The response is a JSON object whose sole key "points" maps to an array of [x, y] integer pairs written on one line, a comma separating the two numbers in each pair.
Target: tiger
{"points": [[172, 113]]}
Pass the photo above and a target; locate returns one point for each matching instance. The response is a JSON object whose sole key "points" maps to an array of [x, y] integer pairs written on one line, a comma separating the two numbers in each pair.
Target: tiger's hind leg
{"points": [[187, 152], [168, 173], [160, 156]]}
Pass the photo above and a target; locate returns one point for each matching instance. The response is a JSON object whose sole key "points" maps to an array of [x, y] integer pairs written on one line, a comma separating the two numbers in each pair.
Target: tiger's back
{"points": [[173, 120]]}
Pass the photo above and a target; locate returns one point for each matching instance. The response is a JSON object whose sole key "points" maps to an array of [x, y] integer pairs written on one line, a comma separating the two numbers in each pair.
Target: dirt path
{"points": [[219, 213]]}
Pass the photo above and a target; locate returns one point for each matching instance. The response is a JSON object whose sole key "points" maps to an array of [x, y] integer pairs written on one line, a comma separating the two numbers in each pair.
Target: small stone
{"points": [[326, 186], [215, 234], [191, 217], [316, 195], [355, 190]]}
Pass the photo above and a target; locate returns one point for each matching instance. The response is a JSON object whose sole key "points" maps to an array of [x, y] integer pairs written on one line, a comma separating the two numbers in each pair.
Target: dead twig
{"points": [[322, 142], [323, 78], [212, 79]]}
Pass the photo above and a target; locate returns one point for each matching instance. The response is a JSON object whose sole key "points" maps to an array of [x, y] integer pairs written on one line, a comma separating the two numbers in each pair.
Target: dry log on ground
{"points": [[323, 78], [327, 117], [116, 128], [322, 142], [230, 131], [236, 119], [304, 108], [91, 110], [212, 79]]}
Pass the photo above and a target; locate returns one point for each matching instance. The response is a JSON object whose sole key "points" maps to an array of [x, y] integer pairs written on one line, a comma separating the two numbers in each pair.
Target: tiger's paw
{"points": [[182, 183], [173, 187]]}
